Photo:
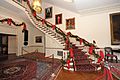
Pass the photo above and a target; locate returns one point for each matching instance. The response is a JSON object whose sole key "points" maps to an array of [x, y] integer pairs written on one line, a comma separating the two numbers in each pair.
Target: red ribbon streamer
{"points": [[28, 3], [53, 27], [43, 21], [71, 52], [9, 21], [24, 26], [101, 56], [67, 41], [106, 73], [91, 49], [68, 33], [34, 13], [68, 63], [81, 40]]}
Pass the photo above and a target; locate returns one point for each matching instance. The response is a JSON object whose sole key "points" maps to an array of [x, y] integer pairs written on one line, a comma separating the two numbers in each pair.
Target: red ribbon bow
{"points": [[43, 21], [71, 52], [81, 40], [68, 63], [53, 27], [34, 13], [91, 49], [9, 21]]}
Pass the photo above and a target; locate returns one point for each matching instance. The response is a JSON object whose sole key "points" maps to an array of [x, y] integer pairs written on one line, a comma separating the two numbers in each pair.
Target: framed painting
{"points": [[38, 39], [115, 28], [70, 23], [58, 19], [48, 12]]}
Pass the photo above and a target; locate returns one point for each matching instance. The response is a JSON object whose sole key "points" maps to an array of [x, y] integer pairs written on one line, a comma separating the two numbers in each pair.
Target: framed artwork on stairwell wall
{"points": [[38, 39], [70, 23], [48, 12], [115, 28], [58, 19]]}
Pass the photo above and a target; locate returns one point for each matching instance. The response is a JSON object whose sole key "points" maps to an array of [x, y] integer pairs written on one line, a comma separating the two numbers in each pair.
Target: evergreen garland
{"points": [[59, 31], [9, 21]]}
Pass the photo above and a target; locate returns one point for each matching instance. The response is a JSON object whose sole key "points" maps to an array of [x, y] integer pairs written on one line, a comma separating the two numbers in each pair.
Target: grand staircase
{"points": [[80, 60]]}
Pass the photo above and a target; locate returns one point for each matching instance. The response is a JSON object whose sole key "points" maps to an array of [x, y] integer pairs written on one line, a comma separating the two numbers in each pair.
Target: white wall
{"points": [[5, 28], [90, 27], [12, 45], [96, 27], [52, 46], [33, 32]]}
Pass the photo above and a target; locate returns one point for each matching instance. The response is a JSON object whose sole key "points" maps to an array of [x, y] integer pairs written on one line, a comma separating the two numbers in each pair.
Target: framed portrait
{"points": [[58, 19], [38, 39], [48, 12], [115, 28], [70, 23]]}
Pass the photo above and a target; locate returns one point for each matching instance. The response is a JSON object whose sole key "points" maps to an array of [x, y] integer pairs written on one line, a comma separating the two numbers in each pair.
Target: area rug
{"points": [[115, 69], [45, 66], [22, 70], [25, 69], [45, 70]]}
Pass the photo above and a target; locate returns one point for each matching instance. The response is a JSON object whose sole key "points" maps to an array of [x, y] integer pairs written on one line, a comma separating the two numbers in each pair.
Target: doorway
{"points": [[3, 46]]}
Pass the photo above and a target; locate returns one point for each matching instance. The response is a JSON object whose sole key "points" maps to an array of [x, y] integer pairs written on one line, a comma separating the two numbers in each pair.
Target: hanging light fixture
{"points": [[36, 5]]}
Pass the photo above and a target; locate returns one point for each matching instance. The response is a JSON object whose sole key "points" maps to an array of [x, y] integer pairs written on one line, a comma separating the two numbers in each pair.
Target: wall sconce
{"points": [[36, 5]]}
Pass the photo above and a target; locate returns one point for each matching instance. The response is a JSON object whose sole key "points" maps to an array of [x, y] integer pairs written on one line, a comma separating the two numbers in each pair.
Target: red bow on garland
{"points": [[68, 63], [107, 74], [67, 40], [81, 40], [71, 52], [53, 27], [34, 13], [101, 56], [9, 21], [91, 49], [43, 21], [68, 33], [24, 26]]}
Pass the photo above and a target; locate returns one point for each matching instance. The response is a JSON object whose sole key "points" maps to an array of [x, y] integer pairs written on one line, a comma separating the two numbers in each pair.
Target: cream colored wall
{"points": [[90, 27], [33, 32], [13, 30], [5, 28], [15, 43], [12, 45], [52, 46], [96, 27]]}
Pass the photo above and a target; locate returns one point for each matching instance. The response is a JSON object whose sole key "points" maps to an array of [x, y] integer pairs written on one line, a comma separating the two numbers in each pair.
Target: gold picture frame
{"points": [[48, 12], [58, 19], [70, 23], [115, 28]]}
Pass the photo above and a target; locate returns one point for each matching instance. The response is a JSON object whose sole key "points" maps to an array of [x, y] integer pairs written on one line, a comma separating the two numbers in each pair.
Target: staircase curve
{"points": [[80, 60]]}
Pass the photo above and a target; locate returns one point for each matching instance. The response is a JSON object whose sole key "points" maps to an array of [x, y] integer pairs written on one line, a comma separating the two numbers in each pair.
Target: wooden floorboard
{"points": [[70, 75]]}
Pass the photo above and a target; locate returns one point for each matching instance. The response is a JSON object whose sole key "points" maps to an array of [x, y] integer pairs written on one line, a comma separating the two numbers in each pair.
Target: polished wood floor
{"points": [[69, 75]]}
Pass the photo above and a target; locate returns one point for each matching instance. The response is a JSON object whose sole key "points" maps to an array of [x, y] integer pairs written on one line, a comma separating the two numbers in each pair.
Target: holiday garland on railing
{"points": [[59, 31], [48, 24], [10, 21], [92, 47]]}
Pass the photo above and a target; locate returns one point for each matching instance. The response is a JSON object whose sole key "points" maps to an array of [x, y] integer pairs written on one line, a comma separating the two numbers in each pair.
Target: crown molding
{"points": [[98, 10]]}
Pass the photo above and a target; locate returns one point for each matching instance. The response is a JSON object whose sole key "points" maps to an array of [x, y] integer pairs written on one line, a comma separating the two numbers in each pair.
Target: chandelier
{"points": [[36, 5]]}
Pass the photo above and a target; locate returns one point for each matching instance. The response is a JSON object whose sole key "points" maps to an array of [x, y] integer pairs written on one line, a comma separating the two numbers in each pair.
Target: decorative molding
{"points": [[97, 10]]}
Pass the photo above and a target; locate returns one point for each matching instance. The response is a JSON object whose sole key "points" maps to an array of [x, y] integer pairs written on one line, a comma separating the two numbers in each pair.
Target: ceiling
{"points": [[85, 6], [78, 6]]}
